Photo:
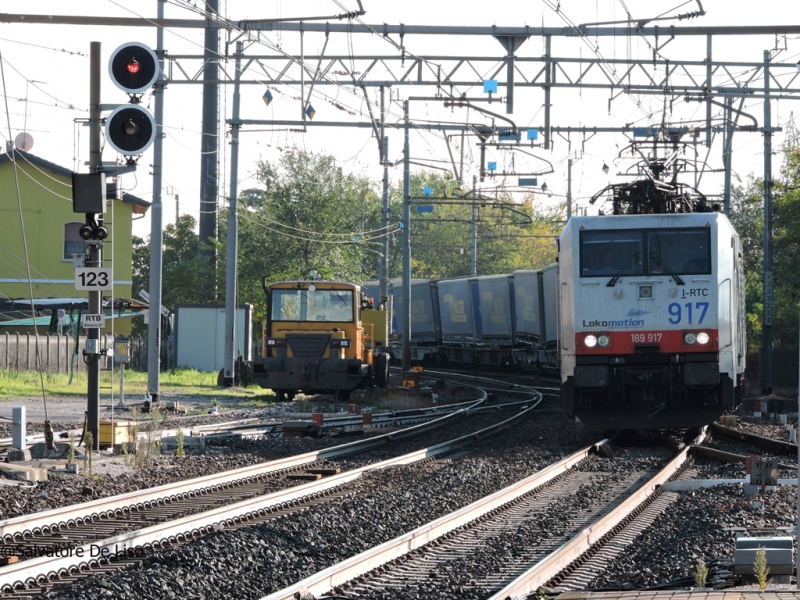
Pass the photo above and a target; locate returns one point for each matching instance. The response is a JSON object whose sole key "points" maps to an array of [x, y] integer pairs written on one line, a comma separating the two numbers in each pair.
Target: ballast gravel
{"points": [[232, 453], [700, 525], [254, 561], [63, 490]]}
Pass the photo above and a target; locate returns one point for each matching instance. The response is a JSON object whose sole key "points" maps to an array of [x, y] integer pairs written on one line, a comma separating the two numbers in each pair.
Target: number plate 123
{"points": [[93, 278]]}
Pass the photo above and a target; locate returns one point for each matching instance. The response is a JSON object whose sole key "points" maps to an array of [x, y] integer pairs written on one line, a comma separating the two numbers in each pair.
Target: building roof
{"points": [[64, 172]]}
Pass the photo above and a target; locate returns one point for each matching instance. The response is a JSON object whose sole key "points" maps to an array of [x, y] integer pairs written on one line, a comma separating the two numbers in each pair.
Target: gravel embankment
{"points": [[259, 559]]}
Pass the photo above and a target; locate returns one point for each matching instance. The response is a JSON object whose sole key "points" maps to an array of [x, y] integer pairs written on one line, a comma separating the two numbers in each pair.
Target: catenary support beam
{"points": [[156, 226], [384, 155], [232, 238], [406, 308], [766, 326], [209, 145]]}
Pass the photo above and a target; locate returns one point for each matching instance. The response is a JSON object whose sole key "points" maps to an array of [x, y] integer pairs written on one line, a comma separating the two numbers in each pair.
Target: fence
{"points": [[18, 352]]}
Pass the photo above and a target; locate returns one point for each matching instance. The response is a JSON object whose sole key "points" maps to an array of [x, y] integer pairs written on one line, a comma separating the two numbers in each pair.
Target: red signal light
{"points": [[132, 66]]}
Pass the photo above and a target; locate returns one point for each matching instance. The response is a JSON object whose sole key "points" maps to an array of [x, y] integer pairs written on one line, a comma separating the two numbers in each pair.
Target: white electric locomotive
{"points": [[652, 321]]}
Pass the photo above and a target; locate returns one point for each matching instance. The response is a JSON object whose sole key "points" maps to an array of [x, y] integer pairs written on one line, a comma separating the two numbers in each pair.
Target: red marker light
{"points": [[132, 65]]}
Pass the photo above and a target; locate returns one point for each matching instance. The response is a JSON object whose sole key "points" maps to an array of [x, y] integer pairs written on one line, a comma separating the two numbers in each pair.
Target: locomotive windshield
{"points": [[319, 305], [643, 252]]}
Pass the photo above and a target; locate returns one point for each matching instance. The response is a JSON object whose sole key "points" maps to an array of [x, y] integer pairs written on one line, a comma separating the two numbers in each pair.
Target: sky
{"points": [[47, 88]]}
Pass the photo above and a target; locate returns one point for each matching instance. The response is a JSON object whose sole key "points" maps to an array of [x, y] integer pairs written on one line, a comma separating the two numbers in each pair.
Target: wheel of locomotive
{"points": [[382, 370], [290, 395], [343, 395], [280, 396]]}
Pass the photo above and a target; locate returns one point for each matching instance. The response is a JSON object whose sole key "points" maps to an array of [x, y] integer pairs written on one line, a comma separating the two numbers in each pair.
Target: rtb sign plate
{"points": [[94, 321], [93, 278]]}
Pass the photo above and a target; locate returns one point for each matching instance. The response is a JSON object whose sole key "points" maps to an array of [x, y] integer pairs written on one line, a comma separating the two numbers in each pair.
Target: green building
{"points": [[51, 233]]}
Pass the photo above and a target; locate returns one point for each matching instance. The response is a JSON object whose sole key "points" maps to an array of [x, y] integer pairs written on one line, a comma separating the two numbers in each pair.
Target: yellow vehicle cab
{"points": [[321, 337]]}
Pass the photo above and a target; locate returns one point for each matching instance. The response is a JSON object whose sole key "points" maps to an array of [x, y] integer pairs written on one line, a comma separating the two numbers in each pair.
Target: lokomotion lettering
{"points": [[622, 323]]}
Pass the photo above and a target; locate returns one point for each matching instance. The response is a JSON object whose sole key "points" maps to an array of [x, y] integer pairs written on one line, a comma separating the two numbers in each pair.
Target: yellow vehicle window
{"points": [[334, 306]]}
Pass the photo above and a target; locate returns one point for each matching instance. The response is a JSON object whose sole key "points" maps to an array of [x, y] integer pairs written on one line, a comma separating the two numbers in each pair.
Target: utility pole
{"points": [[233, 234], [766, 329], [384, 273], [209, 177], [406, 243], [156, 226], [474, 262], [569, 189], [727, 156], [95, 250]]}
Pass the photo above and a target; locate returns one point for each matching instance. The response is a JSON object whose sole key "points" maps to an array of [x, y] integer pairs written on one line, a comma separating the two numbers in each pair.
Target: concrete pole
{"points": [[569, 189], [406, 243], [766, 330], [474, 262], [547, 75], [233, 233], [95, 248], [708, 88], [209, 145], [156, 226], [384, 274]]}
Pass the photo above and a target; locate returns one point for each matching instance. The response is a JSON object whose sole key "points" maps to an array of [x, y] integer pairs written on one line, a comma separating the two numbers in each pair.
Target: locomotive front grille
{"points": [[311, 345]]}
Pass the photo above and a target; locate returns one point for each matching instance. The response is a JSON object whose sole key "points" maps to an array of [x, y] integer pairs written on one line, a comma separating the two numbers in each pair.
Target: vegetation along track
{"points": [[83, 535]]}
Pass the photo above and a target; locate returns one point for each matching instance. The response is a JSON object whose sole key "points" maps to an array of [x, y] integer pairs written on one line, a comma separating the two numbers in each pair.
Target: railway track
{"points": [[257, 428], [537, 527], [77, 527]]}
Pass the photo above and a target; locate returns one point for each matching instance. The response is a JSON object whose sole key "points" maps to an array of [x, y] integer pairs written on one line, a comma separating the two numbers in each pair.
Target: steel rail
{"points": [[358, 565], [761, 442], [57, 518], [248, 423], [21, 575], [550, 566]]}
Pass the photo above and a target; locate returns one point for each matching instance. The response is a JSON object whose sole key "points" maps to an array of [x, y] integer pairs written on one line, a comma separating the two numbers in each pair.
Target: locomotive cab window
{"points": [[611, 253], [334, 306], [680, 251], [627, 252]]}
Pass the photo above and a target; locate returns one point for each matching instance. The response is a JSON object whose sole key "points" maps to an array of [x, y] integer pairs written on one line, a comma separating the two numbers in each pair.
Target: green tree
{"points": [[186, 277], [509, 236], [309, 216], [747, 216]]}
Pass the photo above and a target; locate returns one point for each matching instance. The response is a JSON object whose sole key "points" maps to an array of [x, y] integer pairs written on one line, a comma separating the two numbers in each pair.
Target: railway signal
{"points": [[131, 129], [133, 67]]}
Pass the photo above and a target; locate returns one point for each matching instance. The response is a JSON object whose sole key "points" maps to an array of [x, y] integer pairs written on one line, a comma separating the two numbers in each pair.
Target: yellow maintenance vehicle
{"points": [[321, 337]]}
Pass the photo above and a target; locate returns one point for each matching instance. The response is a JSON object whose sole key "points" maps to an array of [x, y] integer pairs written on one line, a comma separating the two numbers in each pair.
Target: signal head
{"points": [[133, 67], [130, 129], [86, 232]]}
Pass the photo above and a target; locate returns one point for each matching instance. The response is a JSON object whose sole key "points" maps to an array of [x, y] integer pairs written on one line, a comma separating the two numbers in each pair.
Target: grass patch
{"points": [[17, 384]]}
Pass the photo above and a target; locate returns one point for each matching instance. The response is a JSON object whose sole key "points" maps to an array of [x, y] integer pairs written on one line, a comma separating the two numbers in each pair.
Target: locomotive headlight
{"points": [[690, 338], [603, 340], [590, 341], [703, 338]]}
